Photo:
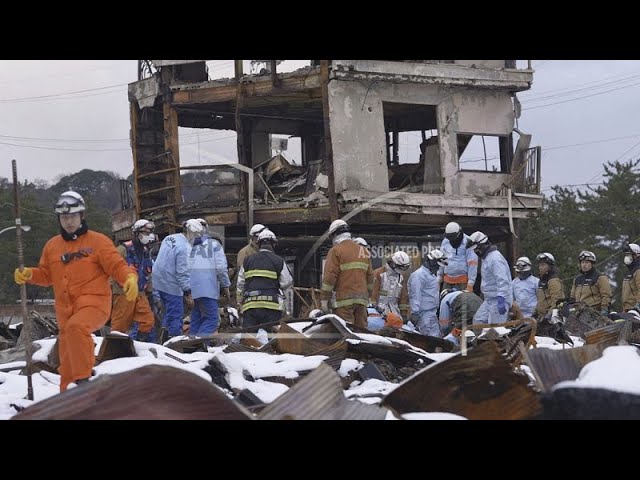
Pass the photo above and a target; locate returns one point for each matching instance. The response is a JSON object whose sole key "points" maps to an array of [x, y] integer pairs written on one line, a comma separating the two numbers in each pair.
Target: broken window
{"points": [[413, 153], [485, 153]]}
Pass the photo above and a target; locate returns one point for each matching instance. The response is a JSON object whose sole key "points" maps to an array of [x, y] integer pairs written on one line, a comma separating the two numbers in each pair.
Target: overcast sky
{"points": [[59, 117]]}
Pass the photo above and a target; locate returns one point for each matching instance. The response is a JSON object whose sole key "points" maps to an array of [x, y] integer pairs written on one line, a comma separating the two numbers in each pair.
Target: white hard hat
{"points": [[523, 264], [438, 256], [194, 226], [546, 257], [401, 259], [633, 248], [587, 255], [338, 226], [452, 230], [361, 241], [70, 202], [267, 235], [256, 229], [477, 238], [142, 223]]}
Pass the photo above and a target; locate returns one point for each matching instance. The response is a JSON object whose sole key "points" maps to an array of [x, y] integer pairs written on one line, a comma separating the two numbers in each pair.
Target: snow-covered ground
{"points": [[623, 360]]}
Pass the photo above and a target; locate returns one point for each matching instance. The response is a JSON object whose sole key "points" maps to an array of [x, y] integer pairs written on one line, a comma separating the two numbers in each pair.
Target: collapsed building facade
{"points": [[350, 117]]}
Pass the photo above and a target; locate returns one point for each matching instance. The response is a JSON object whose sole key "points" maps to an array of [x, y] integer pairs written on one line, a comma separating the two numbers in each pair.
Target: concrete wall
{"points": [[357, 124], [481, 63], [476, 112], [357, 138]]}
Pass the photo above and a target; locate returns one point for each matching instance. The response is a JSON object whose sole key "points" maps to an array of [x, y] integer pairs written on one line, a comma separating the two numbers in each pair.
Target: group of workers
{"points": [[94, 282]]}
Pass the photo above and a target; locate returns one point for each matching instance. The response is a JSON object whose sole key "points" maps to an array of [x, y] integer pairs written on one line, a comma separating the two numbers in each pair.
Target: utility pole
{"points": [[26, 321]]}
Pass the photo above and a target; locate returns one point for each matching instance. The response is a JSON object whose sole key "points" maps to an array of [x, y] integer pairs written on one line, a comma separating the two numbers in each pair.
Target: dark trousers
{"points": [[259, 316]]}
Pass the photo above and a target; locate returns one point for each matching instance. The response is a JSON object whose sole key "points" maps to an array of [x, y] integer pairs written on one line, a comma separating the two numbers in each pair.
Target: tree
{"points": [[600, 219]]}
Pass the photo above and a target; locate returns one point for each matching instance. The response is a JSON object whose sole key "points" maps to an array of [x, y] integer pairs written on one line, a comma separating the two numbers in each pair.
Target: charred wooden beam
{"points": [[328, 149], [258, 87]]}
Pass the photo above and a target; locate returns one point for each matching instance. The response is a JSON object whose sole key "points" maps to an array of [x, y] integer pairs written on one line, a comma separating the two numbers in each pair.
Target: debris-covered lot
{"points": [[327, 369]]}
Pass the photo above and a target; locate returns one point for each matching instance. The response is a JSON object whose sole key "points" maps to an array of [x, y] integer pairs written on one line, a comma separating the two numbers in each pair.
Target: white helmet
{"points": [[632, 248], [438, 256], [193, 226], [587, 255], [256, 229], [361, 241], [401, 260], [452, 231], [338, 226], [267, 235], [142, 223], [477, 238], [546, 257], [70, 202], [523, 264]]}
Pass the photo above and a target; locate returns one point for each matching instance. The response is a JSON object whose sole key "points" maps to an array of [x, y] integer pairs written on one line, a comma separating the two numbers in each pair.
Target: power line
{"points": [[603, 82], [21, 99], [582, 97]]}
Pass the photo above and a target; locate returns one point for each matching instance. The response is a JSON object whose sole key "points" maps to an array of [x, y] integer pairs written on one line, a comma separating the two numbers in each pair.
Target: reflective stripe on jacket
{"points": [[348, 271], [84, 280], [462, 263], [262, 280]]}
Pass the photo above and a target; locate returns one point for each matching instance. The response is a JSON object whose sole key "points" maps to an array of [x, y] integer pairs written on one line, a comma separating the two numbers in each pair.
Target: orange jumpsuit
{"points": [[82, 295], [123, 312]]}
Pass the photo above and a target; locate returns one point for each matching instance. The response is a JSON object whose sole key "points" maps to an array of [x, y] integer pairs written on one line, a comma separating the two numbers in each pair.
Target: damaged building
{"points": [[350, 117]]}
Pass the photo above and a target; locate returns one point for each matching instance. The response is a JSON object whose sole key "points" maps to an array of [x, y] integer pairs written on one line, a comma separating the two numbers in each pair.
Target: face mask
{"points": [[145, 239], [628, 260]]}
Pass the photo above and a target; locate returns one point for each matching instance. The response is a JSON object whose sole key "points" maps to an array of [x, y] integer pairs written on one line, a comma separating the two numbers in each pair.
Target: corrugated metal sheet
{"points": [[319, 396], [169, 393], [607, 336], [552, 366], [479, 386]]}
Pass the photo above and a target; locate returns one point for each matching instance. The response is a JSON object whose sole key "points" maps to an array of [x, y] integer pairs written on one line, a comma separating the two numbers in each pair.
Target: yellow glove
{"points": [[130, 287], [22, 276]]}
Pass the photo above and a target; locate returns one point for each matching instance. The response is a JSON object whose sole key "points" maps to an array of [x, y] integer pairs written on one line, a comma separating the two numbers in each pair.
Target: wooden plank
{"points": [[171, 145], [328, 149], [258, 87]]}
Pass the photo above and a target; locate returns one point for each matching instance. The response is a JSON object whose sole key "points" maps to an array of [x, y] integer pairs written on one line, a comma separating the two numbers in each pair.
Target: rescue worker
{"points": [[348, 271], [171, 275], [456, 307], [77, 264], [631, 281], [390, 293], [211, 234], [525, 286], [246, 251], [496, 281], [262, 281], [123, 312], [462, 262], [591, 287], [252, 247], [424, 294], [550, 289], [208, 273]]}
